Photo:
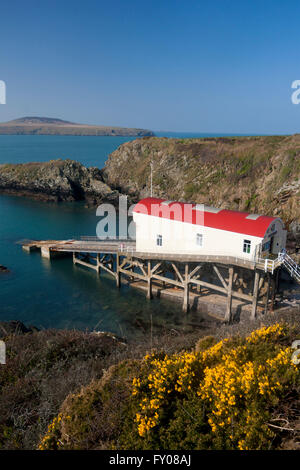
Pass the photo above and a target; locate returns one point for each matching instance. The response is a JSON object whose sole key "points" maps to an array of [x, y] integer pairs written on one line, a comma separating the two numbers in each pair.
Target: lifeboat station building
{"points": [[176, 227]]}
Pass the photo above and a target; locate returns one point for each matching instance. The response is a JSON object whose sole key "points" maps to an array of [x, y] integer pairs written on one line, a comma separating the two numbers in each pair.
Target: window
{"points": [[247, 246], [266, 246], [159, 240], [199, 239]]}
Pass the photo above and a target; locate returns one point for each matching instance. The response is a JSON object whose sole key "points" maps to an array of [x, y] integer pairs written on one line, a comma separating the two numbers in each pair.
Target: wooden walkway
{"points": [[183, 271], [129, 247]]}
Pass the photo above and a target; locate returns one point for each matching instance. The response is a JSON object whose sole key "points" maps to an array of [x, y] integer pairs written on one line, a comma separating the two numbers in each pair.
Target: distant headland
{"points": [[31, 125]]}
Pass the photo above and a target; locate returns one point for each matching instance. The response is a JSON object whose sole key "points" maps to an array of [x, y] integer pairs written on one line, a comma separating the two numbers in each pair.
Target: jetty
{"points": [[182, 275]]}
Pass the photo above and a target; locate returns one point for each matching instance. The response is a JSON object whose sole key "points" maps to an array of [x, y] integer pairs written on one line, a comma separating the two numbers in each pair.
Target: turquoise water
{"points": [[56, 293], [91, 151]]}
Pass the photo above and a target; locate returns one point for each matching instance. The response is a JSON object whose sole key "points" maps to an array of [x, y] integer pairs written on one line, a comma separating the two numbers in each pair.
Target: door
{"points": [[271, 244]]}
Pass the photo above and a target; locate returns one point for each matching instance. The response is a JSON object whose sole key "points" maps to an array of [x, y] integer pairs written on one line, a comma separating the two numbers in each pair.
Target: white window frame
{"points": [[247, 246], [158, 240], [199, 239]]}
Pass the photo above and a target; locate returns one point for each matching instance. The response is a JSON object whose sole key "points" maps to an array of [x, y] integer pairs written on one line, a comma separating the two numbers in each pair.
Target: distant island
{"points": [[31, 125]]}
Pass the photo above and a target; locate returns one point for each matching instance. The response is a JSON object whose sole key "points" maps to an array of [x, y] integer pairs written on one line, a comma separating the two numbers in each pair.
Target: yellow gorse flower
{"points": [[219, 376]]}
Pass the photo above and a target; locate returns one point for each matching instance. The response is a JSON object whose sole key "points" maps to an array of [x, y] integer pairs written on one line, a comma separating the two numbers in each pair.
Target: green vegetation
{"points": [[76, 390], [214, 171], [219, 395], [190, 190]]}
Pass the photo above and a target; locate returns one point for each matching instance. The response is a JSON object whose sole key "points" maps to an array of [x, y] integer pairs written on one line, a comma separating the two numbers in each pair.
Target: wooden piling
{"points": [[155, 267], [255, 295], [45, 252], [149, 280], [98, 264], [185, 306], [118, 272], [228, 314], [273, 292]]}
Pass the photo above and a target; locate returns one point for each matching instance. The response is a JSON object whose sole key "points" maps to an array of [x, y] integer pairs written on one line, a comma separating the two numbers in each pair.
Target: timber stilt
{"points": [[191, 275]]}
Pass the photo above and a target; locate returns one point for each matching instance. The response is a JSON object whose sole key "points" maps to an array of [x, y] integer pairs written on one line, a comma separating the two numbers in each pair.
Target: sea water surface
{"points": [[56, 293]]}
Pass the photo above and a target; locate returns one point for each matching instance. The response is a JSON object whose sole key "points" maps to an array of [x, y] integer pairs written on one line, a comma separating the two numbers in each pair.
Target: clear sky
{"points": [[199, 66]]}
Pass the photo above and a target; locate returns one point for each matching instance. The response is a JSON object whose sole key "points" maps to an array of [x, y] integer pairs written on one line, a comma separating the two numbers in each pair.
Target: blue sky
{"points": [[199, 66]]}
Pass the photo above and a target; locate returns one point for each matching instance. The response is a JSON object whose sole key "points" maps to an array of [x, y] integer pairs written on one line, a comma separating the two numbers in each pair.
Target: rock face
{"points": [[56, 180], [14, 327], [253, 174], [50, 126], [3, 269]]}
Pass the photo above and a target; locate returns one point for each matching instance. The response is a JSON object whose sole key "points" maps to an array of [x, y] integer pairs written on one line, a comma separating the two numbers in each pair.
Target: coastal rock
{"points": [[295, 229], [14, 327], [56, 180], [251, 174], [3, 269]]}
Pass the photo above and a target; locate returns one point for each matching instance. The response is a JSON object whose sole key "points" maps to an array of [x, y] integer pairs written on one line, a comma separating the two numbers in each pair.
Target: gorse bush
{"points": [[219, 396], [231, 387]]}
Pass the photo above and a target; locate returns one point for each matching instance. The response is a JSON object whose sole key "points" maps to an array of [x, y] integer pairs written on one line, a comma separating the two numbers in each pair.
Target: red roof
{"points": [[222, 219]]}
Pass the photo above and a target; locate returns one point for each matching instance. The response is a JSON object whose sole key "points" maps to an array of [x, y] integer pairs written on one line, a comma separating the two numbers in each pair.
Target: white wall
{"points": [[179, 237]]}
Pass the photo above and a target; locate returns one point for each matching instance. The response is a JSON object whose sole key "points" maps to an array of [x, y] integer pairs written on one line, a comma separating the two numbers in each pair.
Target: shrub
{"points": [[218, 396]]}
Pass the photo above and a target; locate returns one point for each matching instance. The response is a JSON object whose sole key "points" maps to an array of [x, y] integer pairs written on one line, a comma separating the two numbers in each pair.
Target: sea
{"points": [[57, 294]]}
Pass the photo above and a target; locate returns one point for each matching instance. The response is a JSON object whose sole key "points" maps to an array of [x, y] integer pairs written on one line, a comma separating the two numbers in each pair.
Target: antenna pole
{"points": [[151, 169]]}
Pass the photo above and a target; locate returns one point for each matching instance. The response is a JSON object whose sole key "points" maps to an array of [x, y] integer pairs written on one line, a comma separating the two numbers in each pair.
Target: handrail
{"points": [[106, 239]]}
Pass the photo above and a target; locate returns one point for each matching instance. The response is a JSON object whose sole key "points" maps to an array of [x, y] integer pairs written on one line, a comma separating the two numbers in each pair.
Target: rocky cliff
{"points": [[253, 174], [56, 180]]}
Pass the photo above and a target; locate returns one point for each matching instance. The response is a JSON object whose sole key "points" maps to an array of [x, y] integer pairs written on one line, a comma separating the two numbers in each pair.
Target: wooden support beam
{"points": [[228, 314], [176, 270], [149, 281], [107, 269], [220, 277], [273, 292], [208, 285], [277, 279], [140, 265], [255, 294], [98, 264], [268, 293], [155, 267], [124, 262], [133, 275], [185, 306], [167, 280], [195, 270], [198, 286], [85, 263], [118, 272]]}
